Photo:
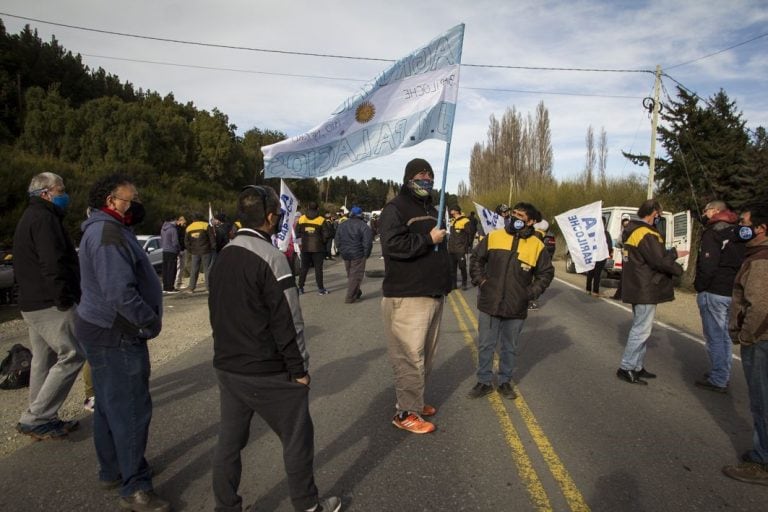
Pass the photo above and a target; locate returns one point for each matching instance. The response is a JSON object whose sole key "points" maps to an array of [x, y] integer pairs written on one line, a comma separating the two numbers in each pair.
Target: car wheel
{"points": [[570, 266]]}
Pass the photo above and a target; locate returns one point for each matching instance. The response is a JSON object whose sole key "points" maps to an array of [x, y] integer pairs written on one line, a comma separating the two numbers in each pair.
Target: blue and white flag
{"points": [[489, 220], [412, 101], [289, 212], [584, 234]]}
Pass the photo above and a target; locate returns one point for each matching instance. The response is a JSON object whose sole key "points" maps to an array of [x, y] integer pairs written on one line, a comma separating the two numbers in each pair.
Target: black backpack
{"points": [[15, 368]]}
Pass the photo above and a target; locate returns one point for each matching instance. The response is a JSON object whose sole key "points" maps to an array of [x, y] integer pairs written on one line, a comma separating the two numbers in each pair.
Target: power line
{"points": [[339, 78], [718, 52], [308, 54]]}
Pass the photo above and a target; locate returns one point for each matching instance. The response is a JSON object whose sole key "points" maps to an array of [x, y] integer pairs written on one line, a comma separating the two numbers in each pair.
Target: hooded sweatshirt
{"points": [[120, 287], [169, 237]]}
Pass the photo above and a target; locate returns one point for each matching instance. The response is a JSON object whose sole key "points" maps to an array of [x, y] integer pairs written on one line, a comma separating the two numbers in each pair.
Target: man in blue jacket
{"points": [[121, 308], [354, 240]]}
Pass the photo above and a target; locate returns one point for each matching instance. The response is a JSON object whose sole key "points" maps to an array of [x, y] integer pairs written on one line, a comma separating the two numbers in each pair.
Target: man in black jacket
{"points": [[354, 240], [646, 281], [719, 260], [511, 267], [312, 232], [260, 355], [416, 280], [46, 269], [459, 243]]}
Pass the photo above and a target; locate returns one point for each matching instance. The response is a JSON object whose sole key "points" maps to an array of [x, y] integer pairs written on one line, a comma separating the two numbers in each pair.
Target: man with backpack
{"points": [[46, 268]]}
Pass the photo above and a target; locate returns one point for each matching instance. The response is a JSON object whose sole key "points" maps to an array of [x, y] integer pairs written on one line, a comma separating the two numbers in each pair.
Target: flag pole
{"points": [[441, 208]]}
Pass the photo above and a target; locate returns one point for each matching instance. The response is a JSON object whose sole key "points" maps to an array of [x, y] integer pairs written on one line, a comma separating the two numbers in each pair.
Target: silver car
{"points": [[151, 245]]}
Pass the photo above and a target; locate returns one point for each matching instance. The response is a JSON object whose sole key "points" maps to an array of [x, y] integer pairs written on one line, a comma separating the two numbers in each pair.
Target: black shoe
{"points": [[507, 391], [645, 374], [358, 294], [145, 501], [705, 384], [480, 390], [630, 376]]}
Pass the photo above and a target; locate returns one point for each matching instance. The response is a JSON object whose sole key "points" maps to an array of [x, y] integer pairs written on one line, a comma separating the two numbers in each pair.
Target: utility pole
{"points": [[654, 124]]}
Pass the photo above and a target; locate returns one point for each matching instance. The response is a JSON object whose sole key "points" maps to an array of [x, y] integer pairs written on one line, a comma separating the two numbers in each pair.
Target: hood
{"points": [[98, 216], [724, 216], [168, 226]]}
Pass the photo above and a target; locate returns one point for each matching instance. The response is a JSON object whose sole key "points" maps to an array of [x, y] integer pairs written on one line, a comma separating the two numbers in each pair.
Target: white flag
{"points": [[489, 220], [412, 101], [289, 211], [585, 235]]}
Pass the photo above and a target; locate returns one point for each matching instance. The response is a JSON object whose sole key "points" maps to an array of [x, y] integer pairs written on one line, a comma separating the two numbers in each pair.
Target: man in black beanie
{"points": [[416, 280]]}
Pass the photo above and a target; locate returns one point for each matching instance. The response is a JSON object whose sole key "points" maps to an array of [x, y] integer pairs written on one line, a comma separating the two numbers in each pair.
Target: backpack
{"points": [[15, 368]]}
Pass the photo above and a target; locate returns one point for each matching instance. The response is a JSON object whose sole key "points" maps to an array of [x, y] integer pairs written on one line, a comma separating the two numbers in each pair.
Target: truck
{"points": [[674, 227]]}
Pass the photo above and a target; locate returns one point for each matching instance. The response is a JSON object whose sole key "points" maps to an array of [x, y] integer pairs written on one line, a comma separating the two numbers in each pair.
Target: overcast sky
{"points": [[293, 93]]}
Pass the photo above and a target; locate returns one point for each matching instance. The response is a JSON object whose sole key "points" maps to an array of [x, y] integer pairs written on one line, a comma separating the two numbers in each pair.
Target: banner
{"points": [[289, 212], [489, 219], [412, 101], [585, 235]]}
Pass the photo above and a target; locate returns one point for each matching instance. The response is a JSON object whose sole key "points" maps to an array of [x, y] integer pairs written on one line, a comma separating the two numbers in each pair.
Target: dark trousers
{"points": [[284, 405], [123, 412], [593, 277], [169, 270], [459, 260], [312, 258], [355, 272]]}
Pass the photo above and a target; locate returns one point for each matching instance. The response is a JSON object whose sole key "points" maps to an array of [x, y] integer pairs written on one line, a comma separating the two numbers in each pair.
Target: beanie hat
{"points": [[356, 211], [416, 166]]}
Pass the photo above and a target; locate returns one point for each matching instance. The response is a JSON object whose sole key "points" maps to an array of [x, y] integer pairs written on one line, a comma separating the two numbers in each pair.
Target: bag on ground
{"points": [[15, 368]]}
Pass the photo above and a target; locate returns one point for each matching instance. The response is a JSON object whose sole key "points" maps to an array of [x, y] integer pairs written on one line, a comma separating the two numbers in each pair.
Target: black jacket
{"points": [[459, 241], [719, 257], [254, 309], [513, 270], [412, 267], [313, 231], [646, 277], [354, 239], [44, 259]]}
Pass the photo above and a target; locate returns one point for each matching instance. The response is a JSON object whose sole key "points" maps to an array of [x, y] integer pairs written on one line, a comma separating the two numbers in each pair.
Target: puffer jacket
{"points": [[510, 271], [748, 322], [354, 239], [312, 231], [646, 277], [200, 238], [720, 255], [459, 239], [412, 266]]}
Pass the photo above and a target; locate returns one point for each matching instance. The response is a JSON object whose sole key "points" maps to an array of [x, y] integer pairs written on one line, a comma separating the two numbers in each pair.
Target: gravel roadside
{"points": [[186, 324]]}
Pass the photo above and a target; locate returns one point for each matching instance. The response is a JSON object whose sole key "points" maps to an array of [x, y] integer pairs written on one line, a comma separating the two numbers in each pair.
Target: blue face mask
{"points": [[746, 233], [656, 221], [421, 188], [62, 201]]}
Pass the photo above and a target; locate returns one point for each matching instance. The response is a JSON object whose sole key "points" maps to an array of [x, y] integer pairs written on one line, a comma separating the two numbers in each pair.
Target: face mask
{"points": [[746, 233], [62, 201], [134, 214], [278, 224], [704, 220], [656, 221], [421, 188]]}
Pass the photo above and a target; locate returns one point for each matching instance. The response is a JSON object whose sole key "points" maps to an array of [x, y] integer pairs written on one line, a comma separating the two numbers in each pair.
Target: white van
{"points": [[674, 227]]}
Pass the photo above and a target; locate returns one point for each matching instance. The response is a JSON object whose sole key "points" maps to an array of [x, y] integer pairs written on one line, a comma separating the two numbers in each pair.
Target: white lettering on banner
{"points": [[430, 88]]}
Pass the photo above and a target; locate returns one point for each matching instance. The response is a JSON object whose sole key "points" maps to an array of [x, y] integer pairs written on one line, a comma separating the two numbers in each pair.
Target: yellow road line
{"points": [[524, 465], [573, 496]]}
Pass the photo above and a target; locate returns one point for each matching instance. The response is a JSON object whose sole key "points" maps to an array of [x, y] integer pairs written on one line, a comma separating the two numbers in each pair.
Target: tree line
{"points": [[58, 115]]}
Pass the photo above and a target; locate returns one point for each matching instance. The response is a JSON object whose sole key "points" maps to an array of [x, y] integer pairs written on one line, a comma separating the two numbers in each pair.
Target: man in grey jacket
{"points": [[354, 240]]}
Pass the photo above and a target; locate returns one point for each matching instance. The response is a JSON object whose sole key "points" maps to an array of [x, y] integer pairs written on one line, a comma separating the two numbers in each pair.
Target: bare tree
{"points": [[602, 156], [463, 189], [589, 165]]}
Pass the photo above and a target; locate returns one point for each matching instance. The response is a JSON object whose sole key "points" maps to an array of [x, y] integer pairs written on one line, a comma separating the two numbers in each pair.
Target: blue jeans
{"points": [[714, 322], [754, 359], [123, 412], [493, 331], [642, 323]]}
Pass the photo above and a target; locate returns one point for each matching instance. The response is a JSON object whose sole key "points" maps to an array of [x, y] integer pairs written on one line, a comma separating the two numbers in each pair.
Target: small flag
{"points": [[289, 212], [584, 234], [489, 220]]}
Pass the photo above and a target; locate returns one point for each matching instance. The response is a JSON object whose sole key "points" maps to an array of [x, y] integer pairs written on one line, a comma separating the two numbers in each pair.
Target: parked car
{"points": [[151, 245]]}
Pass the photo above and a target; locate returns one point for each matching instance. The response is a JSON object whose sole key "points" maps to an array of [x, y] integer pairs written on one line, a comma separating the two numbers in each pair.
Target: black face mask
{"points": [[745, 234], [704, 220], [518, 228], [134, 214], [280, 219]]}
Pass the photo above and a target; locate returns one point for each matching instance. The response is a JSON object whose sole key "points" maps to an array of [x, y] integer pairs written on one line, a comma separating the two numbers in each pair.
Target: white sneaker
{"points": [[90, 403], [329, 504]]}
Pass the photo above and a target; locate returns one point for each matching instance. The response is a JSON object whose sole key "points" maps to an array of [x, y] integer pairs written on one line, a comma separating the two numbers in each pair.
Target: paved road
{"points": [[576, 439]]}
